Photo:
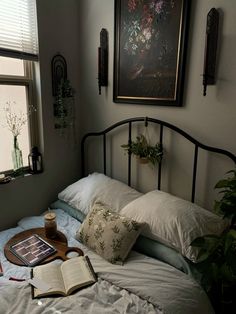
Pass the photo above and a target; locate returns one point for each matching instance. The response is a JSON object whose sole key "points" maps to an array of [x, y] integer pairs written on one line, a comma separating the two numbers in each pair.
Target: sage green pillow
{"points": [[108, 234]]}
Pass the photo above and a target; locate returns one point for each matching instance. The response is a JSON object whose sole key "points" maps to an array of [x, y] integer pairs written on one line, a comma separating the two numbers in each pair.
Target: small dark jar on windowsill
{"points": [[35, 161]]}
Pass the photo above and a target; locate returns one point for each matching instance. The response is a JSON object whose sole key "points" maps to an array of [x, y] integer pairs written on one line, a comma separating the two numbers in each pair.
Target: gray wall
{"points": [[72, 28], [58, 32], [210, 119]]}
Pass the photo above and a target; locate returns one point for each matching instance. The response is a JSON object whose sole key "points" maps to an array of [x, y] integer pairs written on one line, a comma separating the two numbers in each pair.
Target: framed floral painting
{"points": [[150, 51]]}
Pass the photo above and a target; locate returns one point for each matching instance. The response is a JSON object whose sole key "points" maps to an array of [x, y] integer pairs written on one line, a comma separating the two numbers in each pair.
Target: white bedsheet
{"points": [[141, 285]]}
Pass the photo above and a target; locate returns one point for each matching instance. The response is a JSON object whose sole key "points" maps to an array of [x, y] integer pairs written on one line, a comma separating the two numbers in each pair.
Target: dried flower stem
{"points": [[15, 121]]}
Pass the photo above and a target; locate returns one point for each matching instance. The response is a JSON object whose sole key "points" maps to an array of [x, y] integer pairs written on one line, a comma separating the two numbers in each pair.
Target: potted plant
{"points": [[144, 151], [219, 252]]}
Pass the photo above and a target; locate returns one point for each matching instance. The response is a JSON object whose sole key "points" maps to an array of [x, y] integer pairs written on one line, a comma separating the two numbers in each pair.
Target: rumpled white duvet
{"points": [[141, 285]]}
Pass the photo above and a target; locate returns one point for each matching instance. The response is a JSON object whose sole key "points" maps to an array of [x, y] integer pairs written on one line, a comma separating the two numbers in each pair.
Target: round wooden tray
{"points": [[59, 242]]}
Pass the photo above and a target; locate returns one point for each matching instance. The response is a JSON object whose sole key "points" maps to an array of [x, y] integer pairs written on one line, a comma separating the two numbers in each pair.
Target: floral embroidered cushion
{"points": [[109, 234]]}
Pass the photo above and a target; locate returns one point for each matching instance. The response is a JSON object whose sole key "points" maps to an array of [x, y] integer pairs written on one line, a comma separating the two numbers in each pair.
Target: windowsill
{"points": [[11, 176]]}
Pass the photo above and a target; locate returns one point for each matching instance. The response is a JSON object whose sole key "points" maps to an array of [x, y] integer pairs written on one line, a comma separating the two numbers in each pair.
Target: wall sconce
{"points": [[210, 49], [103, 60], [35, 161]]}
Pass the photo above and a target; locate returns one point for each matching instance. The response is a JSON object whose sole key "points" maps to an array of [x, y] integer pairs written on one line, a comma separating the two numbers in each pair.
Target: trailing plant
{"points": [[219, 252], [64, 105], [142, 149]]}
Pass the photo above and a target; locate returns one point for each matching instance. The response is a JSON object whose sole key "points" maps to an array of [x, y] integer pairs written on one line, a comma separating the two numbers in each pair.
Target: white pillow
{"points": [[83, 193], [174, 221]]}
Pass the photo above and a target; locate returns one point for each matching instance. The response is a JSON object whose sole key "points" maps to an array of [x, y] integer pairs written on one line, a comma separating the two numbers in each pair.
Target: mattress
{"points": [[142, 285]]}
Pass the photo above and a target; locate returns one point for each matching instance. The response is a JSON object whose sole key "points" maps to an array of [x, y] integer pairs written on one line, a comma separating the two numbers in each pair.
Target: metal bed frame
{"points": [[163, 125]]}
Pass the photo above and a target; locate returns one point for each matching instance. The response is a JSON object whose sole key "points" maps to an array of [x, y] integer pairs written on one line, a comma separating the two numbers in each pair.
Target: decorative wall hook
{"points": [[103, 60], [210, 49], [59, 72], [63, 94]]}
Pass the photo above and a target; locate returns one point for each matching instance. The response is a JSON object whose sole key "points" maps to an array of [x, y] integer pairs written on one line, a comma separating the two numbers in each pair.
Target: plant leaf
{"points": [[221, 184], [226, 273]]}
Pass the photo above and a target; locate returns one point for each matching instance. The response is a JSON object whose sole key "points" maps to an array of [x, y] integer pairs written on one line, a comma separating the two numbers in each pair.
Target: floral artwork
{"points": [[141, 27], [148, 57]]}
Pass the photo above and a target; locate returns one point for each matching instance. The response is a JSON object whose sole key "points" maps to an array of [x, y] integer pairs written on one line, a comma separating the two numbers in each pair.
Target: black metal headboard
{"points": [[162, 125]]}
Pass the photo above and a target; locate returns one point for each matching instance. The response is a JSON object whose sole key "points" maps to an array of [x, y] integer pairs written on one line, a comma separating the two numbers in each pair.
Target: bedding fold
{"points": [[142, 285]]}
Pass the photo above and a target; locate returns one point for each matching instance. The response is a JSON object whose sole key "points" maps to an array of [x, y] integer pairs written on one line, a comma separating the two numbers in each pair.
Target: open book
{"points": [[64, 278]]}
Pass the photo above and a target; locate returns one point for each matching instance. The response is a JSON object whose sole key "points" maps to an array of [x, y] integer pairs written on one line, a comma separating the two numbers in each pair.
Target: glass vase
{"points": [[17, 156]]}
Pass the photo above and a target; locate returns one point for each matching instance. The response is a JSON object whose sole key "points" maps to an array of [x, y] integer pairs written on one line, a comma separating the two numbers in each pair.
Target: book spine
{"points": [[90, 267], [1, 270], [32, 287]]}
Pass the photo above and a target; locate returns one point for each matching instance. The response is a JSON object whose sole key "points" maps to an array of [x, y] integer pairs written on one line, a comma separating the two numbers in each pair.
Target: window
{"points": [[18, 53]]}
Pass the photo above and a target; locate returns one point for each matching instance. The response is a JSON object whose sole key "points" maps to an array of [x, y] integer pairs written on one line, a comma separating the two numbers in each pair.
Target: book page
{"points": [[51, 274], [75, 273]]}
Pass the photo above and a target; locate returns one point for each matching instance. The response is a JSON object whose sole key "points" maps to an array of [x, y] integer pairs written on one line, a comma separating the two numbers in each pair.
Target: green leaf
{"points": [[232, 171], [198, 242], [226, 273], [208, 245], [203, 255], [222, 184], [215, 272], [228, 243], [232, 233]]}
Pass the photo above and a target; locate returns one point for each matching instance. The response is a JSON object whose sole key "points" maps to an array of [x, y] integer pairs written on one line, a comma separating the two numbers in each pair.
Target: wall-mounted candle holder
{"points": [[103, 60], [209, 74]]}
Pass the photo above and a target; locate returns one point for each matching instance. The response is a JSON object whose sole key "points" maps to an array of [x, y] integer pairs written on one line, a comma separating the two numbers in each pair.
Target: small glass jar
{"points": [[50, 225]]}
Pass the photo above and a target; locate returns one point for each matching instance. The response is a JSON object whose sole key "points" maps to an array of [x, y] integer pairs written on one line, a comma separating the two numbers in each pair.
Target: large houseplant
{"points": [[219, 252], [144, 151]]}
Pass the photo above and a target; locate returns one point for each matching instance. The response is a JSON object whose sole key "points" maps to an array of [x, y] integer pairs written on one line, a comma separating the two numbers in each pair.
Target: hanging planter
{"points": [[144, 151], [142, 160], [63, 93]]}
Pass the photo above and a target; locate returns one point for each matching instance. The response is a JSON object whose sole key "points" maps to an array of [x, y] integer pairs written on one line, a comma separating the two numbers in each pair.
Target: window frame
{"points": [[28, 80]]}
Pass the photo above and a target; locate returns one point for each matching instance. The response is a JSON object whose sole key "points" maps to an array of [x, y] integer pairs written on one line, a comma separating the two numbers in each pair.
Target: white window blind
{"points": [[18, 29]]}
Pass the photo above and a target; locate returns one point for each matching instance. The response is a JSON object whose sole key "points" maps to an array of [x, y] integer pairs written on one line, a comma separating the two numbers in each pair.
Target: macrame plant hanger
{"points": [[146, 134]]}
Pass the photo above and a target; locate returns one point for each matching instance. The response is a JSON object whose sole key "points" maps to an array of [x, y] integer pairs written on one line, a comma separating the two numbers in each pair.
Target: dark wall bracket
{"points": [[209, 75], [103, 60]]}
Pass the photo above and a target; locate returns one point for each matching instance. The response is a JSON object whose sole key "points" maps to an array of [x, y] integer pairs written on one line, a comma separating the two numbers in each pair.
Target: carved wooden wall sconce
{"points": [[210, 49], [103, 60]]}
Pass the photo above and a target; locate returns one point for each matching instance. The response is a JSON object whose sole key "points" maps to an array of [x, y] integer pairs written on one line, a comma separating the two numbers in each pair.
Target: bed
{"points": [[151, 270]]}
